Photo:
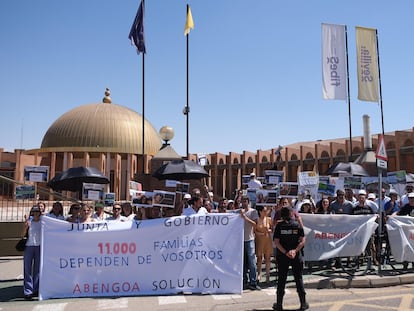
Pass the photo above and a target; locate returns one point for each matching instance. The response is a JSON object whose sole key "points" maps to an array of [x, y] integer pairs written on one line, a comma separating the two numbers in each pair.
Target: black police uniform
{"points": [[289, 232]]}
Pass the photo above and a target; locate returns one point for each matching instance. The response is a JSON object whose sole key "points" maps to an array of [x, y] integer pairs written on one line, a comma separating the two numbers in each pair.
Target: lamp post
{"points": [[166, 133]]}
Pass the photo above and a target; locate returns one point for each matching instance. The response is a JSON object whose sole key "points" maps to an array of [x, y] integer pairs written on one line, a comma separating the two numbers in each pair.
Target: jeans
{"points": [[31, 262], [250, 263]]}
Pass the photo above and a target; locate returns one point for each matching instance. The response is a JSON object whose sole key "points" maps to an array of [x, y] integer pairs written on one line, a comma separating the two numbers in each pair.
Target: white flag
{"points": [[334, 69], [366, 42]]}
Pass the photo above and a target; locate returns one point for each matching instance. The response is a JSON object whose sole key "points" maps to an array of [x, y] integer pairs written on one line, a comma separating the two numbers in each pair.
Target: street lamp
{"points": [[166, 133]]}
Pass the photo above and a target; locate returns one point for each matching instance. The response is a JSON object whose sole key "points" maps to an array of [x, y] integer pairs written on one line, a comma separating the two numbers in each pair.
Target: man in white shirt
{"points": [[253, 182], [349, 195], [371, 198], [404, 198], [196, 207], [116, 214], [384, 199]]}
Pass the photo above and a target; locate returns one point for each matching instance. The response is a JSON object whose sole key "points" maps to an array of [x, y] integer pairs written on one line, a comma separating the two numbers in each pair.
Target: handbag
{"points": [[21, 245]]}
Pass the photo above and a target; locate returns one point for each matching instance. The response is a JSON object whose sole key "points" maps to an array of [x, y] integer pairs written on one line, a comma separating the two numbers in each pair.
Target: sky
{"points": [[255, 73]]}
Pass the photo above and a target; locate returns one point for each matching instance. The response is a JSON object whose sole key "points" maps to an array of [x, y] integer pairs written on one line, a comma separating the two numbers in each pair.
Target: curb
{"points": [[366, 281], [11, 271]]}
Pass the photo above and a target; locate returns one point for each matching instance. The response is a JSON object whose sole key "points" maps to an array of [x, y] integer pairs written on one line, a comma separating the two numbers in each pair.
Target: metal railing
{"points": [[12, 210], [15, 210]]}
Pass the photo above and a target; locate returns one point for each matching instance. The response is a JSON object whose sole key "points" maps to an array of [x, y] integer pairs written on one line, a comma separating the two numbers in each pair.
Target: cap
{"points": [[210, 193], [411, 195], [35, 209], [252, 174], [230, 201], [187, 196], [99, 204], [362, 192], [306, 201], [372, 196]]}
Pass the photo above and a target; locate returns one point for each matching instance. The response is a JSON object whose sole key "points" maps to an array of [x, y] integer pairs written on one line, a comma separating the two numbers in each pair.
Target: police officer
{"points": [[289, 239]]}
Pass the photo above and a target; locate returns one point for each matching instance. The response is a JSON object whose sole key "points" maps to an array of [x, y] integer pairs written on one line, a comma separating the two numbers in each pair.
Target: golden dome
{"points": [[103, 127]]}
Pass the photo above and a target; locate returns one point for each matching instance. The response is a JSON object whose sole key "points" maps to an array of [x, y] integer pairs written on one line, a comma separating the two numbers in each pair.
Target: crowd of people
{"points": [[261, 233]]}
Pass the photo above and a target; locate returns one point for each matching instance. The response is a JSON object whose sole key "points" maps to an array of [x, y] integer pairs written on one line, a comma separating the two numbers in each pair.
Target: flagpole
{"points": [[379, 81], [143, 112], [137, 37], [380, 170], [143, 102], [189, 24], [187, 108], [348, 95]]}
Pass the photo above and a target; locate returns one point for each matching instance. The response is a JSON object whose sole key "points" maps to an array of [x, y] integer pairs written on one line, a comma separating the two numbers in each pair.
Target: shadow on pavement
{"points": [[11, 293], [270, 309]]}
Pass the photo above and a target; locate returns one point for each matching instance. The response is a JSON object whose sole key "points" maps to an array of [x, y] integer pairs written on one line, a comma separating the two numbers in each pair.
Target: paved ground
{"points": [[394, 298], [326, 290], [11, 273]]}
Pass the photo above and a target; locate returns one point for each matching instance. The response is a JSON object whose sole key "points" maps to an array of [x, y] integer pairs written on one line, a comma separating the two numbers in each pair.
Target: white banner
{"points": [[367, 64], [330, 236], [401, 237], [197, 254], [334, 69]]}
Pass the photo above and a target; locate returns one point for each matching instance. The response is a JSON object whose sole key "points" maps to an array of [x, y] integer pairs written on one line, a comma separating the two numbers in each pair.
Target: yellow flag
{"points": [[189, 24], [368, 73]]}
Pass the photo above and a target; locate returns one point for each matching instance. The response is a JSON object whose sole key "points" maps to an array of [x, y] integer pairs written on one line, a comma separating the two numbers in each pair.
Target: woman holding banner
{"points": [[31, 258]]}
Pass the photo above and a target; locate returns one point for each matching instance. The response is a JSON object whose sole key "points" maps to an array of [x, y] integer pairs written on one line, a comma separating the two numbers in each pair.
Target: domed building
{"points": [[102, 135], [109, 137]]}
